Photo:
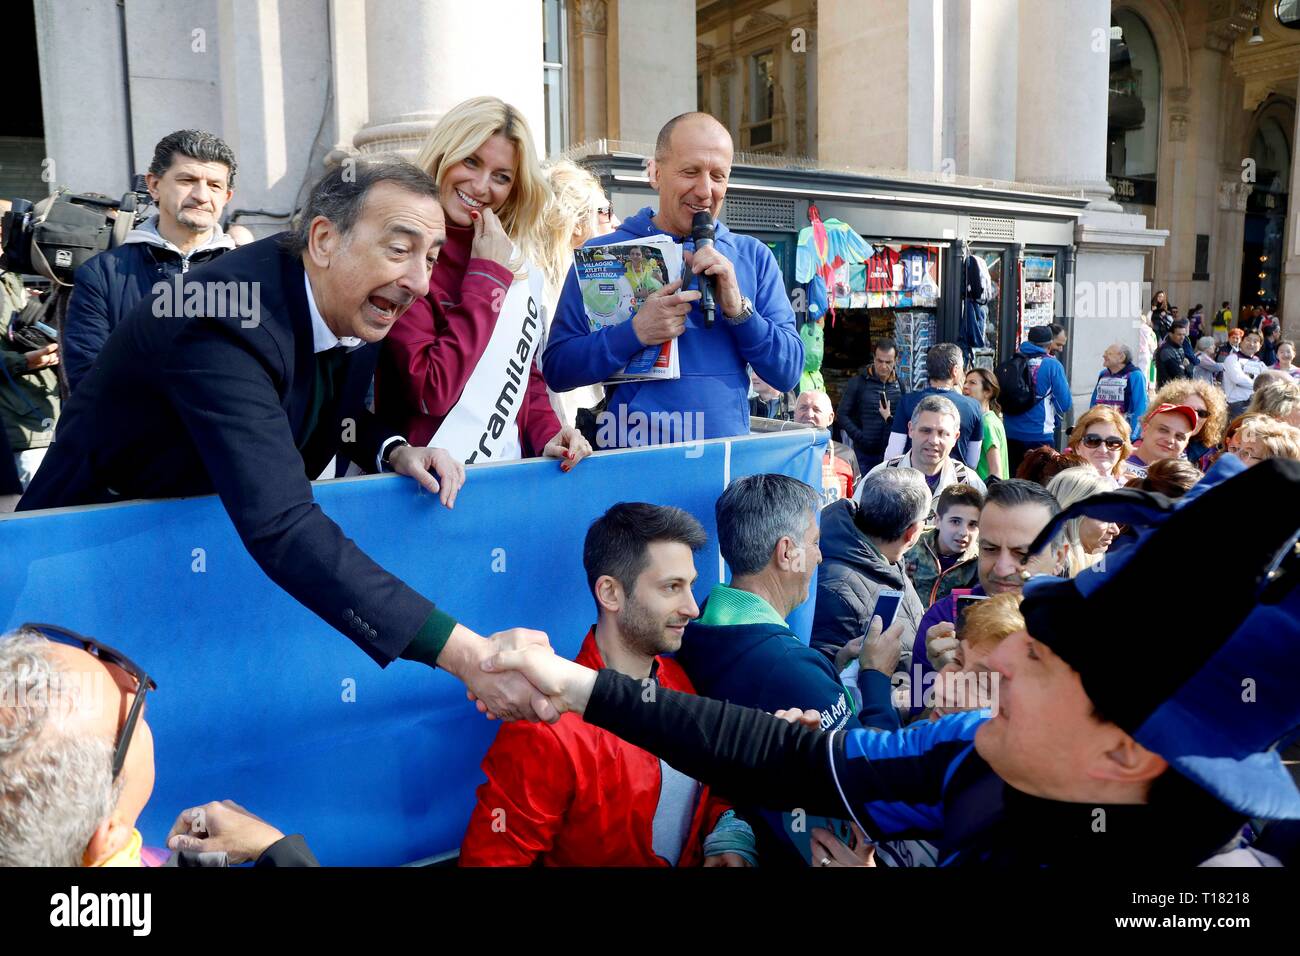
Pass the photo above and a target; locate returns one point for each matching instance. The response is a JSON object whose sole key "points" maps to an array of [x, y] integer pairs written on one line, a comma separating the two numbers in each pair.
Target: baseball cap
{"points": [[1167, 408]]}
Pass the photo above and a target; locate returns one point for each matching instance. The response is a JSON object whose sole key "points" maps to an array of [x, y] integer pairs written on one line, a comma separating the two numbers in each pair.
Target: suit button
{"points": [[350, 614]]}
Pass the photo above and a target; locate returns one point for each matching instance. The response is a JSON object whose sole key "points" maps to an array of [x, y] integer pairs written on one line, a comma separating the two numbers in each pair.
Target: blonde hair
{"points": [[1278, 400], [575, 195], [467, 126], [1176, 392], [1070, 487], [1103, 413], [1281, 440], [987, 623]]}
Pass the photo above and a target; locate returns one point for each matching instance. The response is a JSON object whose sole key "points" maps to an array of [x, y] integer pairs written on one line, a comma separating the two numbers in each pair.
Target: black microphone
{"points": [[702, 234]]}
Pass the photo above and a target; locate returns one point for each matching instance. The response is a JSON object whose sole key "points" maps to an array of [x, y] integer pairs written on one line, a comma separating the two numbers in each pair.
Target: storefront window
{"points": [[1133, 133]]}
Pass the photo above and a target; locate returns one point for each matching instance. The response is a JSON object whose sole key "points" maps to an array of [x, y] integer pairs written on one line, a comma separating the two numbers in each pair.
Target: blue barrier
{"points": [[260, 702]]}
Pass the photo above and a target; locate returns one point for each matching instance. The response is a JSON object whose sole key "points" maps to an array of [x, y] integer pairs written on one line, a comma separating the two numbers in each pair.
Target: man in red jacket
{"points": [[571, 794]]}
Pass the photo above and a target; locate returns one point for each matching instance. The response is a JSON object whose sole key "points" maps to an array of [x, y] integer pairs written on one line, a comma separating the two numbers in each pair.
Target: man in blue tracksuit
{"points": [[754, 323], [1037, 426]]}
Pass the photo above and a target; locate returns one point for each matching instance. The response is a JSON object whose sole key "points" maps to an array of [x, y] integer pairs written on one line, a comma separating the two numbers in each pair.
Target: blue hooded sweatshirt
{"points": [[1051, 388], [714, 381], [1125, 391]]}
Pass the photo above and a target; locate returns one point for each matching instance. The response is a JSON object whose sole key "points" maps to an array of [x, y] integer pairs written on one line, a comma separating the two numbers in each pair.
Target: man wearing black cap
{"points": [[1036, 426], [1082, 762]]}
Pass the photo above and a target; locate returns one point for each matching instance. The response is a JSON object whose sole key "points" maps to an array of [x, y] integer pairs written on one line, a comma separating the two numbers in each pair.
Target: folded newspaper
{"points": [[615, 280]]}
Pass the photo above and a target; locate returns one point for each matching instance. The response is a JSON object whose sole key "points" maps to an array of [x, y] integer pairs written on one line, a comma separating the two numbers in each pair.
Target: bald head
{"points": [[690, 170], [702, 121], [814, 408]]}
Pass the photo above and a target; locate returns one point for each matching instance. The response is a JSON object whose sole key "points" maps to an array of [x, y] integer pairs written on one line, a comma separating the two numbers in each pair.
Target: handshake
{"points": [[515, 675]]}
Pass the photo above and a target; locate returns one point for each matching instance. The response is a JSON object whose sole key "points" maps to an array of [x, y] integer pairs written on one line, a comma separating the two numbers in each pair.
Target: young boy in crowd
{"points": [[945, 557]]}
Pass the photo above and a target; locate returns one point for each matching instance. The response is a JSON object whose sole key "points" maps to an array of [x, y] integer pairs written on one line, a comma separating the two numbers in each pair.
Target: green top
{"points": [[995, 436], [728, 606], [814, 349]]}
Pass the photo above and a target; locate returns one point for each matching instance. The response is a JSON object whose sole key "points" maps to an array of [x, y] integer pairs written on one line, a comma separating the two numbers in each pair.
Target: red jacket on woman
{"points": [[432, 349], [571, 794]]}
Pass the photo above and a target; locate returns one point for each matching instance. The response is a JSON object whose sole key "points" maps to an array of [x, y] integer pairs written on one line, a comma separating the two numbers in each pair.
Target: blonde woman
{"points": [[1086, 538], [459, 367], [1101, 438], [1263, 438], [577, 211]]}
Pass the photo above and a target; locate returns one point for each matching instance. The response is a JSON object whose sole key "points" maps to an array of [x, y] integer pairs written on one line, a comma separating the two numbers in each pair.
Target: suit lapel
{"points": [[302, 377]]}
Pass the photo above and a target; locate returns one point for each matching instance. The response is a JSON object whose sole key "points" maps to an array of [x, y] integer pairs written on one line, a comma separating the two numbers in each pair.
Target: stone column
{"points": [[351, 103], [587, 69], [656, 65], [1290, 298], [422, 58], [1229, 233], [1061, 122], [1064, 54]]}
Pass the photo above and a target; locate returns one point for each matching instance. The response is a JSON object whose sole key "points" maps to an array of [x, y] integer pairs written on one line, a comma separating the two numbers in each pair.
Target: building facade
{"points": [[1175, 120]]}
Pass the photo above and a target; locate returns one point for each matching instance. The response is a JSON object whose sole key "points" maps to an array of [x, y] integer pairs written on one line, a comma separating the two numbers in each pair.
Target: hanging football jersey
{"points": [[915, 262], [880, 270]]}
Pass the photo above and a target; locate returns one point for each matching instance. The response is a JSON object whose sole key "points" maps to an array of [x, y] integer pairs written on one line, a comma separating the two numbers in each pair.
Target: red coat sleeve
{"points": [[538, 422], [434, 349], [530, 785]]}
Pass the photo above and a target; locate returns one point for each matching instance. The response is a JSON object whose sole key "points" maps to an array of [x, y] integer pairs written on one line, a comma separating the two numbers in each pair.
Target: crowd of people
{"points": [[950, 707]]}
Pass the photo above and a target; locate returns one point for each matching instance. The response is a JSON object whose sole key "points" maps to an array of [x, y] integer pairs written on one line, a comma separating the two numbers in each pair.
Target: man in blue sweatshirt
{"points": [[1037, 426], [742, 650], [1121, 385], [754, 321]]}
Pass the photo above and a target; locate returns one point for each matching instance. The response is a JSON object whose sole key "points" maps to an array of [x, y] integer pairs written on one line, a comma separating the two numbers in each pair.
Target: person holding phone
{"points": [[864, 544], [866, 410], [741, 647]]}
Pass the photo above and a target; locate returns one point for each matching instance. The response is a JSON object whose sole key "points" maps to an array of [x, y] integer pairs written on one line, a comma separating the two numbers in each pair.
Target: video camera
{"points": [[55, 236]]}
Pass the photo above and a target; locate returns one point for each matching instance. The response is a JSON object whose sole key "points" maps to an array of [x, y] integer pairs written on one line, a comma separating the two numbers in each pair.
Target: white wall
{"points": [[656, 65]]}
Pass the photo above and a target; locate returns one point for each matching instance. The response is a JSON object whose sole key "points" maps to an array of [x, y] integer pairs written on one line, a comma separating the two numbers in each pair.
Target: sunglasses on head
{"points": [[143, 682], [1096, 441]]}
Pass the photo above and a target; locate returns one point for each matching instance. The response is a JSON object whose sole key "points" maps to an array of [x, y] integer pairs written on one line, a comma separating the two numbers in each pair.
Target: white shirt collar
{"points": [[322, 337]]}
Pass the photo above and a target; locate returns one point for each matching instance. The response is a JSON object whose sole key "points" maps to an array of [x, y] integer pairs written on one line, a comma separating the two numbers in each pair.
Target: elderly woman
{"points": [[1086, 538], [1101, 438]]}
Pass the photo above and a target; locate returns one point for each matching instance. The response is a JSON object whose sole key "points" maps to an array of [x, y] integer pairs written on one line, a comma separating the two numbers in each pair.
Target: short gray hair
{"points": [[757, 511], [939, 405], [55, 787], [892, 500], [340, 195], [1125, 350]]}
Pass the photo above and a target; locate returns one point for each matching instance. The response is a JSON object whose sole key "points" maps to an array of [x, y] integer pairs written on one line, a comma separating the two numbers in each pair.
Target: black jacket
{"points": [[924, 782], [106, 288], [1171, 363], [179, 407], [859, 415]]}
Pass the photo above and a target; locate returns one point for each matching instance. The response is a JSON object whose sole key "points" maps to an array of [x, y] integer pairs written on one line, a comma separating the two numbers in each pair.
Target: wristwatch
{"points": [[385, 460], [746, 310]]}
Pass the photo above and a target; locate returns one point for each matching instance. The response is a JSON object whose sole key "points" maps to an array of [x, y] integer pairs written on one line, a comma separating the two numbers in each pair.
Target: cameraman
{"points": [[190, 180], [29, 396]]}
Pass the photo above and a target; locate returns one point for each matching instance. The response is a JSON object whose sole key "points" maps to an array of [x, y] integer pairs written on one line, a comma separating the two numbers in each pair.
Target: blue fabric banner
{"points": [[260, 702]]}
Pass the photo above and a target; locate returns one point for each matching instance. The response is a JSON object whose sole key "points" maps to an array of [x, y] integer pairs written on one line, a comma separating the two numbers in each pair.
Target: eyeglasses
{"points": [[143, 682], [604, 212], [1096, 441]]}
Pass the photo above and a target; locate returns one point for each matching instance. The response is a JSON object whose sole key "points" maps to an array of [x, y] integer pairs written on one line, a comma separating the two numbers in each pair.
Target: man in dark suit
{"points": [[247, 379]]}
